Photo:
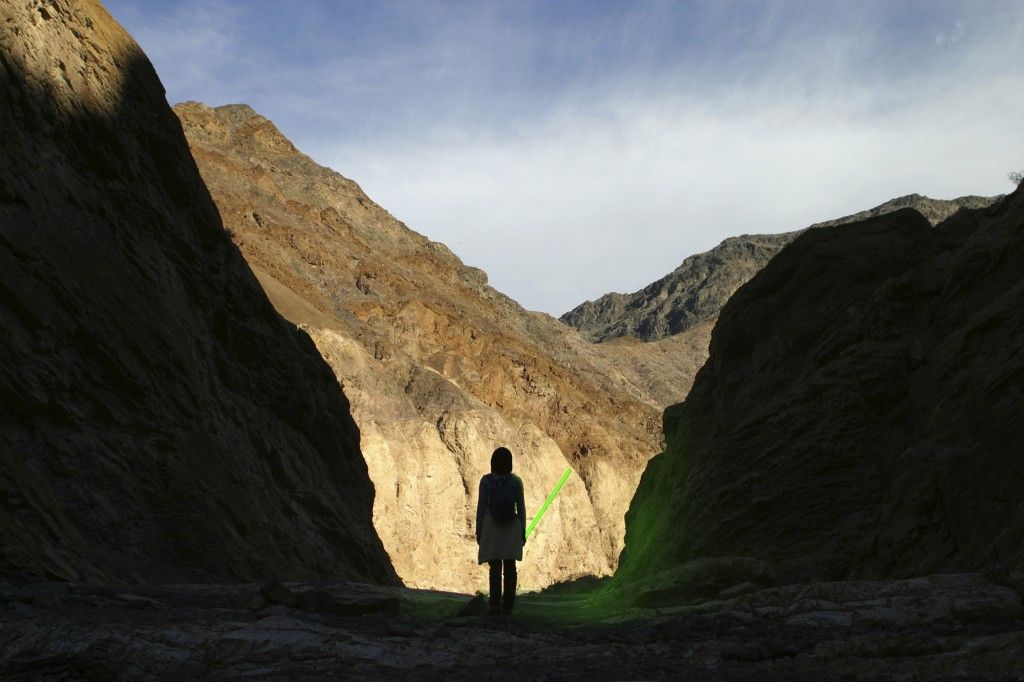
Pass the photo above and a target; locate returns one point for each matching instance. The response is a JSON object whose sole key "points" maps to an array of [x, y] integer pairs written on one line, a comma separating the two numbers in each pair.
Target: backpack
{"points": [[503, 498]]}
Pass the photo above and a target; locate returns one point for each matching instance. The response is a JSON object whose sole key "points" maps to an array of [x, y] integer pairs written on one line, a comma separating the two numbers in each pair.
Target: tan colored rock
{"points": [[440, 367], [426, 463]]}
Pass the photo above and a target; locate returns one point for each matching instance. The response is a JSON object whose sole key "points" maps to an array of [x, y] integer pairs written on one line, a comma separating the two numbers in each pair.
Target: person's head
{"points": [[501, 461]]}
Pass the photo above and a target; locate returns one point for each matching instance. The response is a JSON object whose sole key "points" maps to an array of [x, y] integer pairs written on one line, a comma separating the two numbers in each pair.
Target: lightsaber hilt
{"points": [[547, 502]]}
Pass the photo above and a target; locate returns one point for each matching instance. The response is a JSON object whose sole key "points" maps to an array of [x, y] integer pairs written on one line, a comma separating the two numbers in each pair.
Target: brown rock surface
{"points": [[441, 368], [157, 417], [859, 415]]}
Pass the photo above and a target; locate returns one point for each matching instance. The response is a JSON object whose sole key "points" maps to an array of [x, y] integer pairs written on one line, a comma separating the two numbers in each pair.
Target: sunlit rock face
{"points": [[158, 419], [440, 367], [859, 415], [427, 444]]}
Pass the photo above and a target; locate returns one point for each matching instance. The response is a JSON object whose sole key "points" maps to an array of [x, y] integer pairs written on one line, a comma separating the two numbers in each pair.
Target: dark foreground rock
{"points": [[157, 417], [936, 627], [859, 415]]}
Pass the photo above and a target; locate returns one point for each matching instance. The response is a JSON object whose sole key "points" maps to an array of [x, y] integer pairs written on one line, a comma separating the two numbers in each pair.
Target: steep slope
{"points": [[859, 415], [158, 419], [694, 292], [441, 368]]}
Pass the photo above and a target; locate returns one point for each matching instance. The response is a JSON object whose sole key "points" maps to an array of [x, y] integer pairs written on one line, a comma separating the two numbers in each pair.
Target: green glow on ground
{"points": [[568, 608], [547, 502]]}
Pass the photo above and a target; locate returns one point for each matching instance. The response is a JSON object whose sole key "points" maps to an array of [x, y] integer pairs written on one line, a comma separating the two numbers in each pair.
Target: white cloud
{"points": [[953, 35], [591, 202], [569, 158]]}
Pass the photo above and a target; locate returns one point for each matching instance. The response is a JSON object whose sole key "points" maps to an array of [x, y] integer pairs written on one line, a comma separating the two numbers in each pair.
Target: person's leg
{"points": [[495, 575], [510, 585]]}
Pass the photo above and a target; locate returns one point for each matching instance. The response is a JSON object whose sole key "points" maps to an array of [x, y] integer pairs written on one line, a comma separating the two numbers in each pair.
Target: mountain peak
{"points": [[695, 291]]}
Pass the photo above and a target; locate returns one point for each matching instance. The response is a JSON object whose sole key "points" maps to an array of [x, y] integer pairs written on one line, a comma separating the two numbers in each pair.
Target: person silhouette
{"points": [[501, 528]]}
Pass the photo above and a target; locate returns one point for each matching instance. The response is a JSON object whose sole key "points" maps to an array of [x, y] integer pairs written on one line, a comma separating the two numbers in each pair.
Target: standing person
{"points": [[501, 527]]}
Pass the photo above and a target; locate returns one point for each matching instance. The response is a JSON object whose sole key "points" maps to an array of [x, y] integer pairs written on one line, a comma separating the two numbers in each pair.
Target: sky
{"points": [[570, 149]]}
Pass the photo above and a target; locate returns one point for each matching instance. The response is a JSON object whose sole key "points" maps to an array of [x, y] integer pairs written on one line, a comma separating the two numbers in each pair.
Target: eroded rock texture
{"points": [[441, 368], [860, 412], [695, 292], [158, 419]]}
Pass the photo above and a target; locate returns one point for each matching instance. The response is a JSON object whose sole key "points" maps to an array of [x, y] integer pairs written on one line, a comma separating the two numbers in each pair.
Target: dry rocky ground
{"points": [[944, 627]]}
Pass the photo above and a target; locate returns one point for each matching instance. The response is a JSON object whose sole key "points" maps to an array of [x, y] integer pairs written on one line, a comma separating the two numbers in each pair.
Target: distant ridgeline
{"points": [[859, 415], [695, 292]]}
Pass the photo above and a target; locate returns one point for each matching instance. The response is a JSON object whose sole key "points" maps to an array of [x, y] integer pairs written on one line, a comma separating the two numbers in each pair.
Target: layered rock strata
{"points": [[859, 415], [441, 368], [158, 419]]}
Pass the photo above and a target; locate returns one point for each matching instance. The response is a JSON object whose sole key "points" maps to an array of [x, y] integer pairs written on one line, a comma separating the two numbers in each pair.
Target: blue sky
{"points": [[575, 148]]}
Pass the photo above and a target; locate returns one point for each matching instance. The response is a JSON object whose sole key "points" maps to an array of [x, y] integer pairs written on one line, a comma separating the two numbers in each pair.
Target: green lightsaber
{"points": [[547, 502]]}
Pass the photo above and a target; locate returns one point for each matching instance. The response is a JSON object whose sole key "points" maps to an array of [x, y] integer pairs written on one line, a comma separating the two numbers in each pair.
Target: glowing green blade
{"points": [[547, 502]]}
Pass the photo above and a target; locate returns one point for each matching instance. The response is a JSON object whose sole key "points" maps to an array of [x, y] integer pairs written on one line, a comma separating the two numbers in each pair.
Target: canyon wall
{"points": [[859, 414], [158, 419], [441, 368]]}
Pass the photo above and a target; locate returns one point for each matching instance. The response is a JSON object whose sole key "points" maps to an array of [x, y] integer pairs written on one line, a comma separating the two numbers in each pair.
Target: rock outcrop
{"points": [[158, 419], [859, 415], [440, 367], [695, 292]]}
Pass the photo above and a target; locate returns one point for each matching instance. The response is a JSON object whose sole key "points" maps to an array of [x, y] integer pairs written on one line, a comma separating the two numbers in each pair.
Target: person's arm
{"points": [[522, 507], [480, 508]]}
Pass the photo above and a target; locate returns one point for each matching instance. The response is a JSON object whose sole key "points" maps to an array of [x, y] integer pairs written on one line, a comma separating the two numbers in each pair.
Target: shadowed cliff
{"points": [[159, 419], [859, 415]]}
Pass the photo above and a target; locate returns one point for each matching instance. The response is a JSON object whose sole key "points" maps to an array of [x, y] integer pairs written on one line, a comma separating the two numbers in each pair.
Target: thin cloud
{"points": [[587, 205], [953, 35], [192, 45]]}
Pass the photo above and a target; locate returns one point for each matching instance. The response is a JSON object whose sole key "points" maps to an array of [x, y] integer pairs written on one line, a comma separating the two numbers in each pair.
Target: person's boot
{"points": [[509, 597], [495, 580]]}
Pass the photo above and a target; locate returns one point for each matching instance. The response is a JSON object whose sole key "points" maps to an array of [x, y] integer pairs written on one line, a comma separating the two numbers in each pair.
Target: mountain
{"points": [[859, 414], [440, 367], [694, 292], [158, 419]]}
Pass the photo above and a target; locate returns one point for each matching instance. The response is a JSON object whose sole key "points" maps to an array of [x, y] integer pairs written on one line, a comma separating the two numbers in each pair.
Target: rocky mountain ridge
{"points": [[695, 292], [441, 368]]}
